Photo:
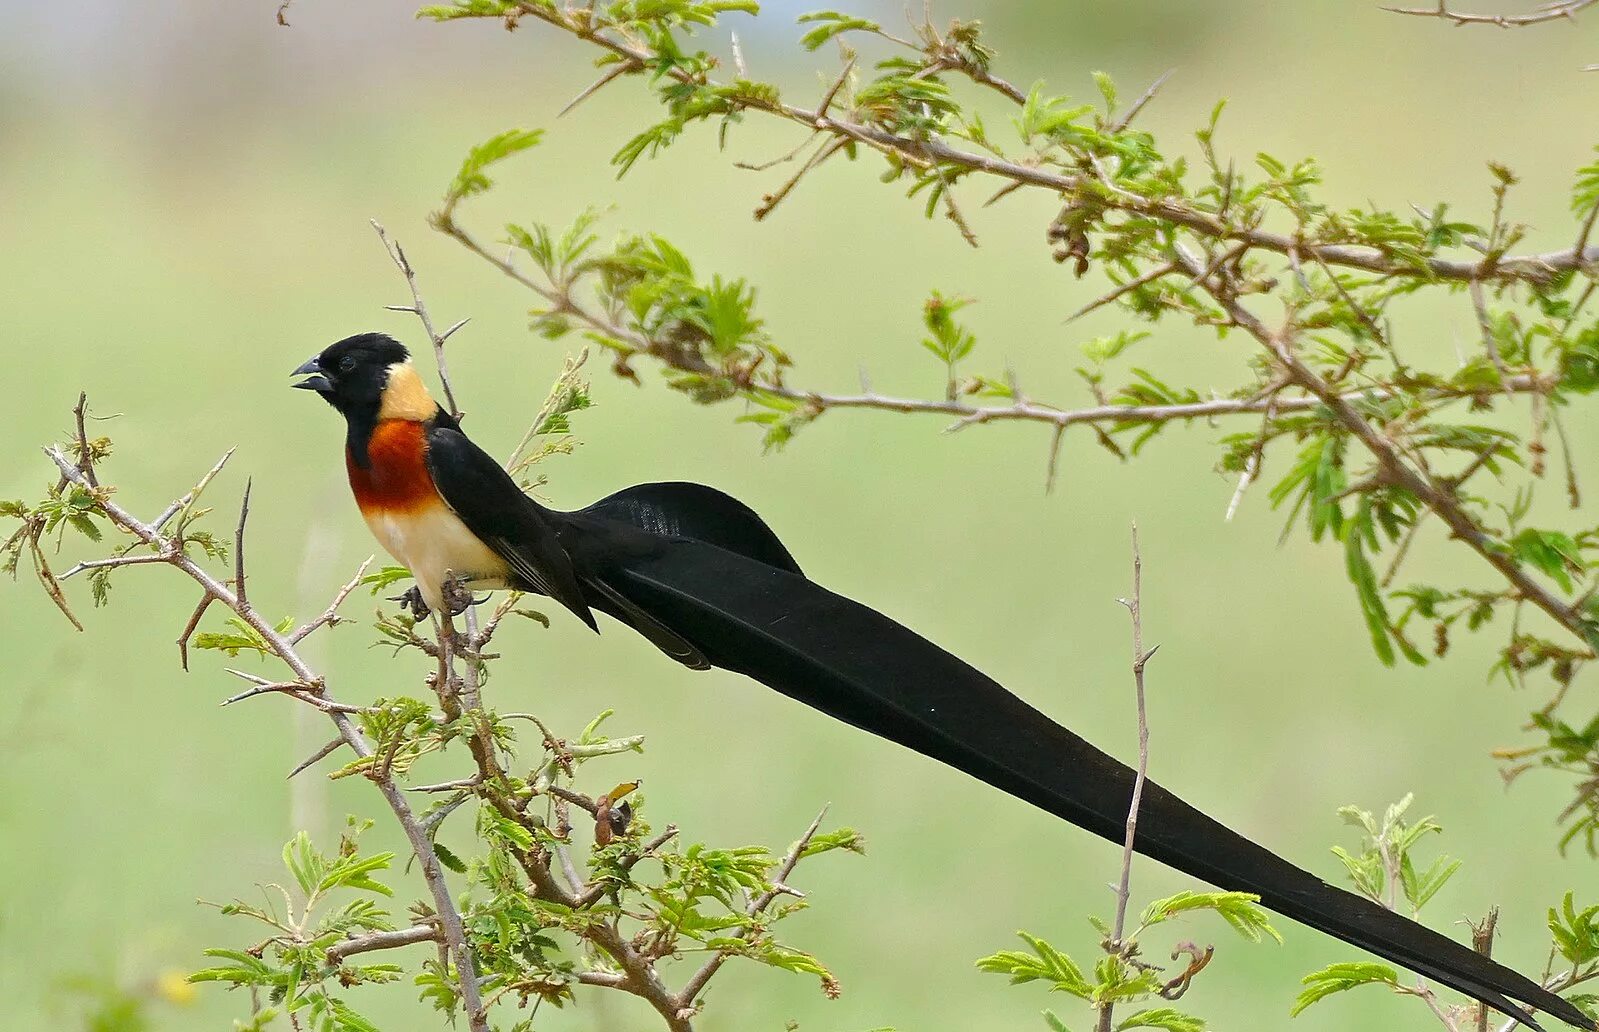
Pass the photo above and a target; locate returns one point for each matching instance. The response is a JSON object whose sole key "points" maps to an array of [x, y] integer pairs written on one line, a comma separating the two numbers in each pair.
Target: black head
{"points": [[351, 374]]}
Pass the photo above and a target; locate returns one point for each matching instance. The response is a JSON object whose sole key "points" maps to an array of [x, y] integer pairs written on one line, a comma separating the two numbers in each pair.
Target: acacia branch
{"points": [[462, 685], [696, 983], [967, 414], [419, 308], [1391, 464], [451, 928], [1135, 611], [1534, 268], [1547, 12], [381, 941]]}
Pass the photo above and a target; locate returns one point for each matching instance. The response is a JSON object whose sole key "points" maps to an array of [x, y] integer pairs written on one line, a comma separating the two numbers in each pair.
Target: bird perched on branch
{"points": [[703, 578]]}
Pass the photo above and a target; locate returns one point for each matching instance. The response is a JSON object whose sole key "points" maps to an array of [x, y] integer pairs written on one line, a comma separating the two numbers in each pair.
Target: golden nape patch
{"points": [[405, 396]]}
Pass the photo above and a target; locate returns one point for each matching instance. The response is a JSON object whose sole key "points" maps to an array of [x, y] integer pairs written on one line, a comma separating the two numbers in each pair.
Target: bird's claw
{"points": [[458, 597], [412, 600]]}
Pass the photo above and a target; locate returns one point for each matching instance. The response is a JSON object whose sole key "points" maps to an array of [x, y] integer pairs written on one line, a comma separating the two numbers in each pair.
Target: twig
{"points": [[238, 543], [1482, 940], [696, 982], [923, 152], [419, 308], [316, 757], [1389, 460], [190, 627], [1164, 269], [1144, 98], [616, 71], [330, 616], [564, 385], [432, 872], [838, 84], [1256, 454], [115, 561], [85, 454], [1135, 610], [381, 941], [1485, 324], [597, 891], [1548, 12]]}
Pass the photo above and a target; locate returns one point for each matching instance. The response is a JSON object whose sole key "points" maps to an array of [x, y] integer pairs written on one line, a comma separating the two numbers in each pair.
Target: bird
{"points": [[702, 577]]}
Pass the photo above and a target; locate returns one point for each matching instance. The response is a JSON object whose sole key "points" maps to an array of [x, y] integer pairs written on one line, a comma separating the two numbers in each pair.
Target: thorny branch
{"points": [[459, 684], [1440, 499], [1547, 12], [315, 691], [922, 152], [1200, 247], [1135, 611], [967, 414]]}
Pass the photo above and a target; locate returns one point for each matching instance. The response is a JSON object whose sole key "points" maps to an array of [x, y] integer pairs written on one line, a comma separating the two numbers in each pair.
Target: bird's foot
{"points": [[458, 597], [412, 600]]}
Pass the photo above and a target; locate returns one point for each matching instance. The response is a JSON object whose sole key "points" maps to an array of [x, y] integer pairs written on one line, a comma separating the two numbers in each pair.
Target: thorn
{"points": [[447, 333], [320, 754]]}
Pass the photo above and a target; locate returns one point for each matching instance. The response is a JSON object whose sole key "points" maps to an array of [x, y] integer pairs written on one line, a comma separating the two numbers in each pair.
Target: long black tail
{"points": [[765, 620]]}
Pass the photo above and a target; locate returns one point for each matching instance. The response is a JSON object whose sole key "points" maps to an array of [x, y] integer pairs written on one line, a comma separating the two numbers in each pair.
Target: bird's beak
{"points": [[315, 381]]}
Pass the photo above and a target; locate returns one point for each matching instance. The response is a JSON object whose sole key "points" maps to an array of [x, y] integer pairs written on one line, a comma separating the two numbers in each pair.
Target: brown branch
{"points": [[330, 616], [238, 544], [1390, 462], [966, 414], [921, 153], [639, 976], [419, 308], [432, 872], [381, 941], [696, 983], [1135, 610], [1143, 99], [1547, 12]]}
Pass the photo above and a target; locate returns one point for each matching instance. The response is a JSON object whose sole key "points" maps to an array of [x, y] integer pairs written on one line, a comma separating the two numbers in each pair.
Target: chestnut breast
{"points": [[410, 519]]}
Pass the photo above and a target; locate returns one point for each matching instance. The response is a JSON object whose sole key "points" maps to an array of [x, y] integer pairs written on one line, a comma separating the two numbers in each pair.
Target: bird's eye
{"points": [[347, 363]]}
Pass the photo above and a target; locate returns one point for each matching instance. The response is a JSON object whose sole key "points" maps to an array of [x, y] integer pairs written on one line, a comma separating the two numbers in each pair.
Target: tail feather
{"points": [[857, 665]]}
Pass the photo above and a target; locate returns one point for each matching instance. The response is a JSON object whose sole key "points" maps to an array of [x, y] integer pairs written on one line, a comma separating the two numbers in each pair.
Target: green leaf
{"points": [[1163, 1017], [1338, 978], [245, 969], [472, 179], [382, 579], [1551, 552], [832, 23], [1241, 910], [303, 861], [1107, 89], [1045, 963], [448, 858], [467, 9], [1585, 195], [1576, 933]]}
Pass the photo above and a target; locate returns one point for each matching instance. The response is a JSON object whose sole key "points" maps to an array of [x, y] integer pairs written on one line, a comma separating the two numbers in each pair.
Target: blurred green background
{"points": [[184, 196]]}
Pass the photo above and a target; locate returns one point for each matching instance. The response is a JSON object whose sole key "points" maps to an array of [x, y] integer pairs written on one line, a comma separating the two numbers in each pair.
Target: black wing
{"points": [[679, 509], [859, 666], [514, 526]]}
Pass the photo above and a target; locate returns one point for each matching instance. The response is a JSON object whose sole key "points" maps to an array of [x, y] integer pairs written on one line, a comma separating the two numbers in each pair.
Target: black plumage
{"points": [[701, 575]]}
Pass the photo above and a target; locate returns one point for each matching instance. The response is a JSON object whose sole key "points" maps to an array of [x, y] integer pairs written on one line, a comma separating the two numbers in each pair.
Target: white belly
{"points": [[434, 544]]}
